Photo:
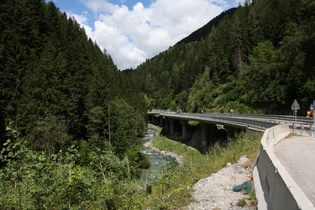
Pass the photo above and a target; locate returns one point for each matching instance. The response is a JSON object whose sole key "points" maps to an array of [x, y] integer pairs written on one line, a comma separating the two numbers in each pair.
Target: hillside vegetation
{"points": [[260, 57], [69, 120]]}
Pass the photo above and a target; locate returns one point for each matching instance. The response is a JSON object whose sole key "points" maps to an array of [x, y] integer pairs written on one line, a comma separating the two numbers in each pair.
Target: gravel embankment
{"points": [[215, 191]]}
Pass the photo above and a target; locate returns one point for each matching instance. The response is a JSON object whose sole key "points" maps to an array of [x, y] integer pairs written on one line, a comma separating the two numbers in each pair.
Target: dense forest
{"points": [[64, 109], [257, 58], [70, 121]]}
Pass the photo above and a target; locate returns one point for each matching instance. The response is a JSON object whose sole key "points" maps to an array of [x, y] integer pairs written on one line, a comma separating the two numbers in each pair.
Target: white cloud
{"points": [[82, 19], [98, 5], [132, 36]]}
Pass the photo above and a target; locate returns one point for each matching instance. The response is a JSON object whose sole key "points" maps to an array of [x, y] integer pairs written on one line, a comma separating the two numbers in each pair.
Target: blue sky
{"points": [[132, 31]]}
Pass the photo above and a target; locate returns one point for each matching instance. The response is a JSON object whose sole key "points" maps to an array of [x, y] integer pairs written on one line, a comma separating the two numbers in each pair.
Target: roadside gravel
{"points": [[215, 191]]}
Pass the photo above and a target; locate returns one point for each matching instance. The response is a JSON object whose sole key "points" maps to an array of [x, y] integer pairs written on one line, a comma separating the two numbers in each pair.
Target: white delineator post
{"points": [[314, 117]]}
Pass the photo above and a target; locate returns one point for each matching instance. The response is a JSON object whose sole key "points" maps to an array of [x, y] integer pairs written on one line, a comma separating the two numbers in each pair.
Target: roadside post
{"points": [[314, 117], [295, 107]]}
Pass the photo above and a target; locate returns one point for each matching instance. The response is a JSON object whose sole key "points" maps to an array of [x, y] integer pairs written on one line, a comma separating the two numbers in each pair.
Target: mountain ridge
{"points": [[203, 31], [251, 51]]}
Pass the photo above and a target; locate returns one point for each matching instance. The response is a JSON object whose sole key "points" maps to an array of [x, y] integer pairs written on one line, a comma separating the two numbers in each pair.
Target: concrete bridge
{"points": [[277, 183], [209, 124], [230, 122]]}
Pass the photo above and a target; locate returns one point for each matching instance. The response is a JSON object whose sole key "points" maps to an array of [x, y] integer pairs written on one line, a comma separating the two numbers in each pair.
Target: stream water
{"points": [[158, 161]]}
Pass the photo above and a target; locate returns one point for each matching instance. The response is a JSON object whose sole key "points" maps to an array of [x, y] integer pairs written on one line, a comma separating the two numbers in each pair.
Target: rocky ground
{"points": [[215, 191]]}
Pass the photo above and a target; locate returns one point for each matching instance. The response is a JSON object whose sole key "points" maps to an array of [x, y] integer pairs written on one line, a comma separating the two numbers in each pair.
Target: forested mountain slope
{"points": [[52, 72], [202, 32], [261, 57], [69, 120]]}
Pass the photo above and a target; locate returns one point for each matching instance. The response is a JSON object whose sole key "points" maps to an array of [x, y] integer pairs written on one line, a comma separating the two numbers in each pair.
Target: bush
{"points": [[33, 180]]}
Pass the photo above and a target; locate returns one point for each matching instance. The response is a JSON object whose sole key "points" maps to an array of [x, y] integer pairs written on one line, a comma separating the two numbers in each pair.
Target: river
{"points": [[158, 161]]}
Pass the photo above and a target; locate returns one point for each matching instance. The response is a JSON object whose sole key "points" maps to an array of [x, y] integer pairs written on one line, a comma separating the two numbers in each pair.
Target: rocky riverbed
{"points": [[177, 158]]}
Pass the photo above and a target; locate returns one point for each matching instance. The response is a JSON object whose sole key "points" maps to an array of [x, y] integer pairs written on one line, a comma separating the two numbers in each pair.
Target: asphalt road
{"points": [[297, 155]]}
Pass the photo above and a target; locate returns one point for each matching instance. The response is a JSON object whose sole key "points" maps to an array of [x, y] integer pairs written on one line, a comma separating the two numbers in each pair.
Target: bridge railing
{"points": [[300, 125], [244, 121]]}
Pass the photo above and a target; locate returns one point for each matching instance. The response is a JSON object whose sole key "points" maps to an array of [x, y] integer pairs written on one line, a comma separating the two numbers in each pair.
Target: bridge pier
{"points": [[231, 131], [204, 134], [154, 119], [171, 121], [167, 126], [214, 132], [184, 128]]}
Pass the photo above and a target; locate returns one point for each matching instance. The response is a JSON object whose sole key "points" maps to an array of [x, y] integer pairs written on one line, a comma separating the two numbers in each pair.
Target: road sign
{"points": [[295, 105]]}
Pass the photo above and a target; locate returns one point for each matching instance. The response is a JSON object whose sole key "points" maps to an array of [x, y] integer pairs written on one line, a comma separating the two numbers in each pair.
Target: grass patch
{"points": [[241, 202], [252, 197], [193, 123], [172, 189]]}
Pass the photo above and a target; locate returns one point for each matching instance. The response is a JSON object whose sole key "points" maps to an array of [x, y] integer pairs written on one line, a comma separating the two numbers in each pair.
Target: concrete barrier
{"points": [[275, 189]]}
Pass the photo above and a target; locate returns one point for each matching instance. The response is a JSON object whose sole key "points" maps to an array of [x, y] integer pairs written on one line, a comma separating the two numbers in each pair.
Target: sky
{"points": [[132, 31]]}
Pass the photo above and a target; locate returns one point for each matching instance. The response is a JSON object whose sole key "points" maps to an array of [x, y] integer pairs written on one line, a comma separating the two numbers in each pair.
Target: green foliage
{"points": [[193, 123], [172, 188], [256, 56], [54, 78], [134, 160], [200, 94], [241, 202], [67, 134], [33, 180], [235, 106], [126, 125], [69, 119], [49, 134], [95, 127]]}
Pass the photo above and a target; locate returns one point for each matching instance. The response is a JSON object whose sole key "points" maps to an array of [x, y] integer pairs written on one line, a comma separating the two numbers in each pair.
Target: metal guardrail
{"points": [[244, 121]]}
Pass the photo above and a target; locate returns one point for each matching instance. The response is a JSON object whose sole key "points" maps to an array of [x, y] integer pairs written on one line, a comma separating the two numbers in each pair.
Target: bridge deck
{"points": [[297, 155], [301, 125]]}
